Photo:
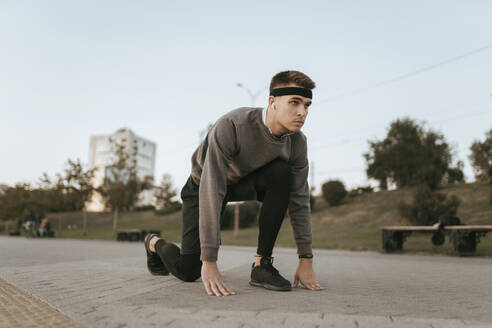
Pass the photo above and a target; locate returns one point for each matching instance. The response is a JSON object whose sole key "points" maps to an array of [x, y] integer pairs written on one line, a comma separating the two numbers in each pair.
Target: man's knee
{"points": [[190, 267], [190, 276]]}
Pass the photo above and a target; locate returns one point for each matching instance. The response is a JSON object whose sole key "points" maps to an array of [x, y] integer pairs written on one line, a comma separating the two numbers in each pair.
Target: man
{"points": [[249, 154]]}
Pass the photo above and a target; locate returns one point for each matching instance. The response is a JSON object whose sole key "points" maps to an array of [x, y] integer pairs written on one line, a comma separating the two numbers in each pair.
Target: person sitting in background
{"points": [[44, 227], [30, 224]]}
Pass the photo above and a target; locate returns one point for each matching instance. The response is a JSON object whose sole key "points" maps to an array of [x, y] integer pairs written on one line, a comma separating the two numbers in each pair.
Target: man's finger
{"points": [[222, 289], [315, 286], [214, 289], [296, 281], [230, 291], [207, 287]]}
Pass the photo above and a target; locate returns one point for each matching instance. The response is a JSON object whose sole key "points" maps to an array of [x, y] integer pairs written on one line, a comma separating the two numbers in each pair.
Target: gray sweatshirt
{"points": [[236, 145]]}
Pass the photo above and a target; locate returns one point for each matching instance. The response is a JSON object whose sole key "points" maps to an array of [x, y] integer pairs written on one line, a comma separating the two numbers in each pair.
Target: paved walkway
{"points": [[106, 284]]}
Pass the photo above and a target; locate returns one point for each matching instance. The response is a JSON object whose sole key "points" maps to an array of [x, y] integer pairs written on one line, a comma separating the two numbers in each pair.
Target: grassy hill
{"points": [[353, 225]]}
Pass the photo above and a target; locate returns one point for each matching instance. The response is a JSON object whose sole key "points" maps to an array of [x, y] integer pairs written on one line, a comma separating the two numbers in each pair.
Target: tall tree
{"points": [[481, 158], [79, 186], [409, 155], [164, 193], [121, 186]]}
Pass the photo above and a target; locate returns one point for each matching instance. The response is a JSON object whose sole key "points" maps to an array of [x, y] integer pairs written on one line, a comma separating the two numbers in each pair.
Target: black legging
{"points": [[272, 184]]}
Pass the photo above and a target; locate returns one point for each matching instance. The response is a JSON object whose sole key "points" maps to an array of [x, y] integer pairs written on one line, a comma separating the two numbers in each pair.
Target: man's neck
{"points": [[272, 127]]}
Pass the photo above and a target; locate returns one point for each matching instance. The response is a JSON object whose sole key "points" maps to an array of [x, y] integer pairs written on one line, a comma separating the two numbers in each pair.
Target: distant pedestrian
{"points": [[44, 227], [30, 224], [248, 154]]}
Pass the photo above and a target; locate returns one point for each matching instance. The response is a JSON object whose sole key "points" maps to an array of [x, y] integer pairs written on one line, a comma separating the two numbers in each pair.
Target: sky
{"points": [[166, 69]]}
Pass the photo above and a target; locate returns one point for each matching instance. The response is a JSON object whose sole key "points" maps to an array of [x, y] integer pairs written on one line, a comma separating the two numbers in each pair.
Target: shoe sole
{"points": [[271, 287], [158, 273]]}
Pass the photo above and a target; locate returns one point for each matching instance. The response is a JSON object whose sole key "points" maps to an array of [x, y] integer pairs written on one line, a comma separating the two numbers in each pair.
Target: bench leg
{"points": [[121, 236], [465, 242], [134, 236], [393, 241]]}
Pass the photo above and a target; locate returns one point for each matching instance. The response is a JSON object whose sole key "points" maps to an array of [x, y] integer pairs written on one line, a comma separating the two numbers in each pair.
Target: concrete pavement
{"points": [[106, 284]]}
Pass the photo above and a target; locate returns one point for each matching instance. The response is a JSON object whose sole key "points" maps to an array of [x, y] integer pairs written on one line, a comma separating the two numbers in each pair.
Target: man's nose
{"points": [[302, 113]]}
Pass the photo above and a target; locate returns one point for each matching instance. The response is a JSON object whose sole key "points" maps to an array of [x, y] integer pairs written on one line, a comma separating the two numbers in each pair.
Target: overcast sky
{"points": [[165, 69]]}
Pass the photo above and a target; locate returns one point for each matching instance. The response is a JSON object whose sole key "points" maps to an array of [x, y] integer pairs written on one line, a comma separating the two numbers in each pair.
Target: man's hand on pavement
{"points": [[305, 275], [213, 281]]}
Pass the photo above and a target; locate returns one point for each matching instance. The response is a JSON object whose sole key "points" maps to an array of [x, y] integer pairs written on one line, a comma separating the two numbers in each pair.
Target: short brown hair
{"points": [[294, 77]]}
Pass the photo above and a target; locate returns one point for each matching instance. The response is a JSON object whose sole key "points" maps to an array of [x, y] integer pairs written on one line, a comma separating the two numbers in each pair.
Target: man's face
{"points": [[291, 110]]}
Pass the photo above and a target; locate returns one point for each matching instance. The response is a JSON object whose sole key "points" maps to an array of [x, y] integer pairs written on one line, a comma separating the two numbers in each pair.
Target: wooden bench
{"points": [[464, 237], [134, 234]]}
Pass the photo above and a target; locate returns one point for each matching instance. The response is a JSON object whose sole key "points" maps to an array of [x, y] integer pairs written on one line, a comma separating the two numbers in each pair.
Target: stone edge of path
{"points": [[20, 309]]}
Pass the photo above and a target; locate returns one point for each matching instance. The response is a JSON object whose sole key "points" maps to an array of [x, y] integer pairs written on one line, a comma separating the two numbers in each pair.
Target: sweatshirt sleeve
{"points": [[299, 204], [213, 185]]}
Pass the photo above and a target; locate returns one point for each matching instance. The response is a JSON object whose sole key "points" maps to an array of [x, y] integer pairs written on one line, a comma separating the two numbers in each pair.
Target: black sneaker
{"points": [[154, 263], [265, 275]]}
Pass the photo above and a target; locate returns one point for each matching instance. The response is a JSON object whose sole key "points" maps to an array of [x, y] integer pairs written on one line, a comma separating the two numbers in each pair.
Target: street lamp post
{"points": [[250, 93]]}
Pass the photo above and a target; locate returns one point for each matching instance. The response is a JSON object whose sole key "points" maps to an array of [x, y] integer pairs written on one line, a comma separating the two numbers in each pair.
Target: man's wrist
{"points": [[306, 262], [306, 256], [209, 262]]}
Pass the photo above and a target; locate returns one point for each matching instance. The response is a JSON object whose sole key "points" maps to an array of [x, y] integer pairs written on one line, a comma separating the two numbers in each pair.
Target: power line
{"points": [[404, 76], [345, 140], [383, 82]]}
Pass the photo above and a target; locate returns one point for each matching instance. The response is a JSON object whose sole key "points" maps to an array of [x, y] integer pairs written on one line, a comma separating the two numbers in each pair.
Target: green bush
{"points": [[334, 192], [426, 206], [248, 213]]}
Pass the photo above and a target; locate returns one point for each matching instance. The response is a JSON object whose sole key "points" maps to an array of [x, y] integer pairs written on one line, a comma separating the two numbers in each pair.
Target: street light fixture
{"points": [[250, 93]]}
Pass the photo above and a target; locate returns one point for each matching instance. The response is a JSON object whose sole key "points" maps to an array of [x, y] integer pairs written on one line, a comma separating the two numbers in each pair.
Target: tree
{"points": [[79, 186], [54, 195], [333, 192], [455, 174], [481, 158], [14, 201], [121, 185], [408, 156], [164, 194]]}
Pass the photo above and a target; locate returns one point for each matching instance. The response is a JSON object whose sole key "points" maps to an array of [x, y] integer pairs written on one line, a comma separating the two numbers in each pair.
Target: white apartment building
{"points": [[141, 151]]}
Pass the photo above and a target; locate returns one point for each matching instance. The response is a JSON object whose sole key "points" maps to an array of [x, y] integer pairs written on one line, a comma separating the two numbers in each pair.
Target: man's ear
{"points": [[271, 99]]}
